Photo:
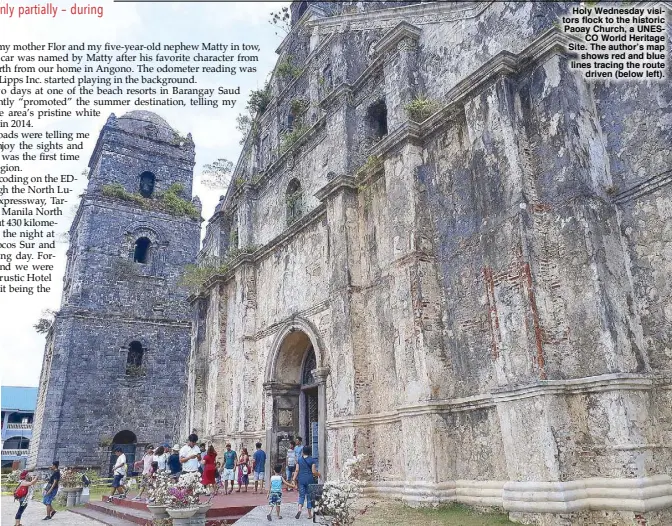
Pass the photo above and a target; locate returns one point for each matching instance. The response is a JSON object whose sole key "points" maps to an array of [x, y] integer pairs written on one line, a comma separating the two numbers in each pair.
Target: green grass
{"points": [[389, 513]]}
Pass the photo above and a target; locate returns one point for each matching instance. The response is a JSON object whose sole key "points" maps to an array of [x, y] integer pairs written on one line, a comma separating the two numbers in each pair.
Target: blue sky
{"points": [[213, 130]]}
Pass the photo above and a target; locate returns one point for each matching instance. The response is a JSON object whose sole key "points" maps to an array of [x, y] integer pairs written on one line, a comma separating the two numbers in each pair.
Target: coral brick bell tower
{"points": [[114, 363]]}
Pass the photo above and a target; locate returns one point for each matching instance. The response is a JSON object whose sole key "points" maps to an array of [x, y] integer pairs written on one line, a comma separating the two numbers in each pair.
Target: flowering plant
{"points": [[71, 478], [186, 491], [158, 489], [336, 505]]}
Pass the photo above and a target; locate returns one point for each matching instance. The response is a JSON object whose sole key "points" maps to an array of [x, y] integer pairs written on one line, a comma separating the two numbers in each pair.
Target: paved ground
{"points": [[36, 511], [287, 511]]}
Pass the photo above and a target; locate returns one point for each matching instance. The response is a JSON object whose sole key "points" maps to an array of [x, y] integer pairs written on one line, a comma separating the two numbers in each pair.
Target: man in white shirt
{"points": [[119, 472], [190, 455]]}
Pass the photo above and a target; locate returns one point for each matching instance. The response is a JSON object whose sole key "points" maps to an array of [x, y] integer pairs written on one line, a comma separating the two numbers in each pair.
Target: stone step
{"points": [[135, 512], [109, 520], [127, 511]]}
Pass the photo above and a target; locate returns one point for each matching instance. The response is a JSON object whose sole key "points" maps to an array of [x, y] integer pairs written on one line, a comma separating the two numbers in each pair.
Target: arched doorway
{"points": [[295, 392], [127, 441]]}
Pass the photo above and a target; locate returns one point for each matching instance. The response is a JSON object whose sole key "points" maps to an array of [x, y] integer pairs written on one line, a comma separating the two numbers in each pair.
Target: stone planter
{"points": [[73, 496], [158, 511], [199, 517], [182, 513]]}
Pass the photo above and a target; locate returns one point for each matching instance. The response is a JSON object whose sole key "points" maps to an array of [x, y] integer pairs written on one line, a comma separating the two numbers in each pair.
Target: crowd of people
{"points": [[300, 470]]}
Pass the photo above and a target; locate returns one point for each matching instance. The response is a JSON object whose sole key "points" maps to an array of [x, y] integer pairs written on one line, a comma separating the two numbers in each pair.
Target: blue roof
{"points": [[18, 398]]}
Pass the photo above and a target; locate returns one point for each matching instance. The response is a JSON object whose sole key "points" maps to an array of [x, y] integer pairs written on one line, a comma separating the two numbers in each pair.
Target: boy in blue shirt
{"points": [[275, 491]]}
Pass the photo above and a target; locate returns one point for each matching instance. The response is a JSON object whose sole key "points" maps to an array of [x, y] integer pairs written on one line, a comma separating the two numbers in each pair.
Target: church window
{"points": [[141, 253], [294, 198], [309, 365], [377, 119], [147, 180], [134, 359]]}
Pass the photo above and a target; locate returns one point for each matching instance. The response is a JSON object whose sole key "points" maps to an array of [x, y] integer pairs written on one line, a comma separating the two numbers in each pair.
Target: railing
{"points": [[15, 452], [19, 426]]}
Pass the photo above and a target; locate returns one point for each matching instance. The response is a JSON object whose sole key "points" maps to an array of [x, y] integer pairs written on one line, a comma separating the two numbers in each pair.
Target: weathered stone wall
{"points": [[487, 287]]}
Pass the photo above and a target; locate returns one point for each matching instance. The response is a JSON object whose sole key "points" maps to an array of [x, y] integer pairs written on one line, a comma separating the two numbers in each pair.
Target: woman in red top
{"points": [[209, 469]]}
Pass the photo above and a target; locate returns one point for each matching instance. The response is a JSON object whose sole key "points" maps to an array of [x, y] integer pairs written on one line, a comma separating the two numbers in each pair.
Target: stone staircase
{"points": [[129, 513]]}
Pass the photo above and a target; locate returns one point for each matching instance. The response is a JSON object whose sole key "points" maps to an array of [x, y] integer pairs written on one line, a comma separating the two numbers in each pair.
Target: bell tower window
{"points": [[147, 180], [141, 252]]}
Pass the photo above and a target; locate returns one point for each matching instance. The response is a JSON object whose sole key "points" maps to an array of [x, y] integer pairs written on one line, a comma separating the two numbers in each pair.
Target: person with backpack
{"points": [[306, 474], [24, 493]]}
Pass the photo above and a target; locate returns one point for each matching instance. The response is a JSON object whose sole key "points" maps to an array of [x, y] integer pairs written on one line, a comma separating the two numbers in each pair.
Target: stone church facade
{"points": [[113, 371], [447, 250]]}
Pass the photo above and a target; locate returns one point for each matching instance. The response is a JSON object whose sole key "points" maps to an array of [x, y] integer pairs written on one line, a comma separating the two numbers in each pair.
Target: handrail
{"points": [[15, 452], [19, 426]]}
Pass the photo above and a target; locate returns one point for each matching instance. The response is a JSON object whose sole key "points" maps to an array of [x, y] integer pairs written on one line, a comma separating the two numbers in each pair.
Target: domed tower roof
{"points": [[146, 123]]}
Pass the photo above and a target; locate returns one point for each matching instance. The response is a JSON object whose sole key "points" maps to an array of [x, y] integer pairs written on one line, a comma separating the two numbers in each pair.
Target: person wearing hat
{"points": [[174, 464], [167, 450], [119, 472], [25, 479]]}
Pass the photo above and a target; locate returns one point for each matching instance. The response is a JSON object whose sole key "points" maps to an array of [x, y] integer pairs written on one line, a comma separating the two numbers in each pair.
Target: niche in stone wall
{"points": [[134, 360], [376, 120], [294, 201]]}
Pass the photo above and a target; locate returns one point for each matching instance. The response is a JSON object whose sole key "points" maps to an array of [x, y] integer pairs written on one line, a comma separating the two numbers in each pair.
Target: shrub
{"points": [[299, 106], [421, 108], [169, 201], [259, 100], [288, 140], [287, 69], [373, 162], [195, 276]]}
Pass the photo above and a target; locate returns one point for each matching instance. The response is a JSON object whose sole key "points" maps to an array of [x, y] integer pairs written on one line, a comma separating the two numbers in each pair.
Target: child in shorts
{"points": [[275, 491]]}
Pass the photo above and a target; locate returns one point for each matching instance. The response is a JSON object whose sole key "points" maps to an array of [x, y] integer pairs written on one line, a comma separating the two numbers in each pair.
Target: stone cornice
{"points": [[639, 494], [389, 41], [425, 13], [278, 388], [69, 312], [336, 184], [593, 384]]}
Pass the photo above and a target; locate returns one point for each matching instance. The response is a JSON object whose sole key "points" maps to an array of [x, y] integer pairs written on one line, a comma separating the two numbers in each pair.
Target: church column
{"points": [[400, 49], [245, 216], [320, 374]]}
